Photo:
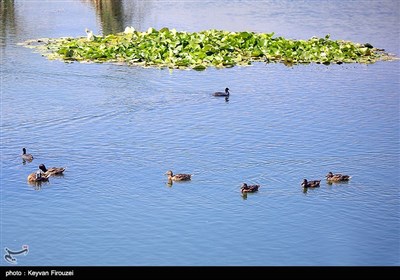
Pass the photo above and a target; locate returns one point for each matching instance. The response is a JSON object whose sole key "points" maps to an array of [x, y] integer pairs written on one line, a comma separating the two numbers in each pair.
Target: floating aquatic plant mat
{"points": [[168, 48]]}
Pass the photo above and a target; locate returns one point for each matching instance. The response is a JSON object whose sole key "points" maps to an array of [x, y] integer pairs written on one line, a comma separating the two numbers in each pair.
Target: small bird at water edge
{"points": [[89, 35]]}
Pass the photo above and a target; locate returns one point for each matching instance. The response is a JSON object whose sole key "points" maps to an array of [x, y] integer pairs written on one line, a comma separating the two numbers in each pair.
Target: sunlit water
{"points": [[118, 129]]}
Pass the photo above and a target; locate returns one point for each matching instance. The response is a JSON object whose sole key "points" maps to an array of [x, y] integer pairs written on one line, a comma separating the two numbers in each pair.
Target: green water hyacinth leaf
{"points": [[169, 48]]}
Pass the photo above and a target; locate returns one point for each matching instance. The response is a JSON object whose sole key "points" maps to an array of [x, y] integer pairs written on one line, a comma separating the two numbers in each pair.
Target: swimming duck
{"points": [[178, 177], [25, 156], [38, 176], [331, 178], [51, 171], [249, 189], [310, 184], [219, 93]]}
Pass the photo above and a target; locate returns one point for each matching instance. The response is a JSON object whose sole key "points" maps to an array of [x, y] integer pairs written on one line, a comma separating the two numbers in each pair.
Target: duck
{"points": [[219, 93], [25, 156], [249, 189], [37, 177], [331, 178], [311, 184], [178, 177], [51, 171]]}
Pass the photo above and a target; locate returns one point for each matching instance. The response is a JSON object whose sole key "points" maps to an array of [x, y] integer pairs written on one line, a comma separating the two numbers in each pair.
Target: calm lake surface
{"points": [[118, 129]]}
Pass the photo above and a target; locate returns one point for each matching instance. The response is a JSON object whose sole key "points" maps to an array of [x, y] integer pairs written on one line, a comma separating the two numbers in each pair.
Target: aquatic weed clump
{"points": [[168, 48]]}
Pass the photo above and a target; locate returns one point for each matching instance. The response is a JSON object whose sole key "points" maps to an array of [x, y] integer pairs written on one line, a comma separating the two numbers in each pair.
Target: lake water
{"points": [[118, 129]]}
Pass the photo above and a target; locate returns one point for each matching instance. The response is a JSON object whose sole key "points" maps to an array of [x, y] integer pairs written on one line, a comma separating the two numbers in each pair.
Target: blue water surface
{"points": [[118, 129]]}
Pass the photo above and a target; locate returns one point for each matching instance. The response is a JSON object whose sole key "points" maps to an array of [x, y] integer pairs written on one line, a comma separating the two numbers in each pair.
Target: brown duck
{"points": [[310, 184], [37, 177], [249, 189], [332, 178], [178, 177], [51, 171]]}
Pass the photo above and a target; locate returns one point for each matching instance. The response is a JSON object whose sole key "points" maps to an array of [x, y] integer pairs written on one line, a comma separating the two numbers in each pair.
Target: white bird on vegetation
{"points": [[89, 34], [129, 30]]}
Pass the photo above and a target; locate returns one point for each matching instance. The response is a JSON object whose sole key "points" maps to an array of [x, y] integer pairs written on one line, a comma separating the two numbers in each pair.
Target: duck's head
{"points": [[23, 151], [305, 182], [330, 174], [38, 175], [43, 167], [169, 173], [244, 185], [227, 90]]}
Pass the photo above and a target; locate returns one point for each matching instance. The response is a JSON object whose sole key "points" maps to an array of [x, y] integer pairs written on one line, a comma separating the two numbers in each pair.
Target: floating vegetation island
{"points": [[168, 48]]}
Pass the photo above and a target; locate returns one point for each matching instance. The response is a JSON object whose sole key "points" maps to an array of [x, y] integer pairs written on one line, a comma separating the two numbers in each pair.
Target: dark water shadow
{"points": [[170, 183], [37, 186], [111, 15], [244, 195], [25, 161], [115, 15], [337, 183], [8, 20], [305, 190]]}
